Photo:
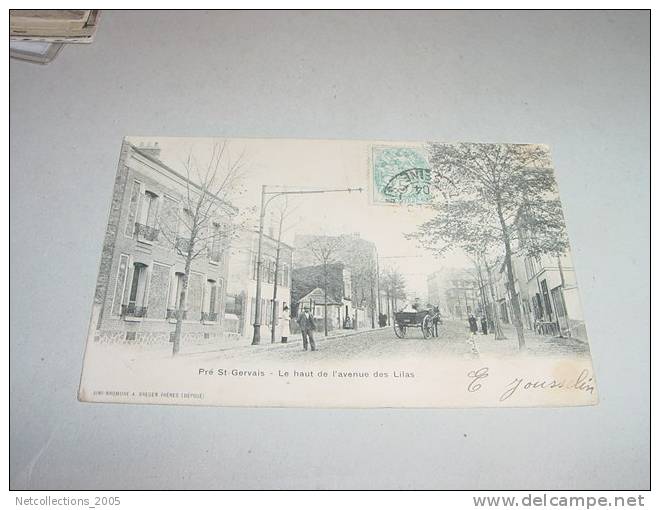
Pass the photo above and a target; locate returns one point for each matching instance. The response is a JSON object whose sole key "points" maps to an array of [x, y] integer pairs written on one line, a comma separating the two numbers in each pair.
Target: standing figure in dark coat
{"points": [[484, 325], [472, 321], [306, 323]]}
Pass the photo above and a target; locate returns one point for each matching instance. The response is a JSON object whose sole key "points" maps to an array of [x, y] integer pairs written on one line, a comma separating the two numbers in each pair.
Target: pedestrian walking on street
{"points": [[284, 322], [306, 323], [484, 325], [472, 321]]}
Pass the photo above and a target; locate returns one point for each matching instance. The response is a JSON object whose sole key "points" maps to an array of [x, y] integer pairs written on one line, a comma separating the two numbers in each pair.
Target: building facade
{"points": [[455, 291], [547, 293], [551, 302], [142, 267], [242, 287]]}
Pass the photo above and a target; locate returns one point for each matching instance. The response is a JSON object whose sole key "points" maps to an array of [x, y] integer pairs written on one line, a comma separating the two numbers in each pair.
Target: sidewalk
{"points": [[294, 341], [535, 344]]}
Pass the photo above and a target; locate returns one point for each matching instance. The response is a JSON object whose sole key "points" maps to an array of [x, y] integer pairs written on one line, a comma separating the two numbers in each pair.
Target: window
{"points": [[212, 295], [209, 310], [269, 270], [178, 290], [132, 209], [145, 226], [185, 228], [120, 284], [255, 266], [268, 312], [546, 298], [137, 284], [234, 304], [538, 307], [266, 270], [149, 209], [215, 251], [285, 275], [136, 295]]}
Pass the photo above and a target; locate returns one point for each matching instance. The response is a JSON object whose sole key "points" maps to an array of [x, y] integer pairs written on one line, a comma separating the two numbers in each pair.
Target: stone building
{"points": [[141, 275], [241, 300]]}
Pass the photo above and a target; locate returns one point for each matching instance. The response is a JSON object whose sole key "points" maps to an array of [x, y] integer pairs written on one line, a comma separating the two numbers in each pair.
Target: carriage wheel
{"points": [[427, 327], [399, 330]]}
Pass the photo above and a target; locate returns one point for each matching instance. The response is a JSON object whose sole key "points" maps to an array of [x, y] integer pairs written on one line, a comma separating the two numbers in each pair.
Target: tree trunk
{"points": [[499, 334], [277, 268], [183, 305], [482, 292], [325, 299], [517, 321], [387, 293], [373, 322]]}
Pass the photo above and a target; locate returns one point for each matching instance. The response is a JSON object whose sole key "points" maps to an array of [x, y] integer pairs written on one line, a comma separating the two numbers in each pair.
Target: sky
{"points": [[323, 164]]}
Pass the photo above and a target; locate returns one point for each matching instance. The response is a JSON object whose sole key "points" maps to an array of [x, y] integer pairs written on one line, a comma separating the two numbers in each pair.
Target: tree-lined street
{"points": [[454, 340]]}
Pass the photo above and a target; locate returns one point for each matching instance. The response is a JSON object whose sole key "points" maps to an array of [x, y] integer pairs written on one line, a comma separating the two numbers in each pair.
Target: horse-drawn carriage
{"points": [[425, 320]]}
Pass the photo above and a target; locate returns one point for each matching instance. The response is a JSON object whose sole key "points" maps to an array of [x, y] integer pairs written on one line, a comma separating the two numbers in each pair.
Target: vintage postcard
{"points": [[319, 273]]}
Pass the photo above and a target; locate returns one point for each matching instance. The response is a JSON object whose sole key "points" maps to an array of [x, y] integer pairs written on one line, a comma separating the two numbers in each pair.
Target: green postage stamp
{"points": [[400, 175]]}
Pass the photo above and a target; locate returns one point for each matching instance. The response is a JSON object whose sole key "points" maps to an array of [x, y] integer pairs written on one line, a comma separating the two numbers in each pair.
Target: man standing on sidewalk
{"points": [[472, 322], [306, 323]]}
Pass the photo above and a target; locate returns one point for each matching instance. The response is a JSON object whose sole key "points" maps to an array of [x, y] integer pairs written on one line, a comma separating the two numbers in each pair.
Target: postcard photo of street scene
{"points": [[307, 254]]}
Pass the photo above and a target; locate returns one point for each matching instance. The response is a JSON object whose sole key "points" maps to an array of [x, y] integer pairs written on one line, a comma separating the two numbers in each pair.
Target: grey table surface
{"points": [[578, 81]]}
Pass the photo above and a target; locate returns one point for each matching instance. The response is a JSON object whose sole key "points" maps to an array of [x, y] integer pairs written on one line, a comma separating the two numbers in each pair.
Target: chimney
{"points": [[151, 149]]}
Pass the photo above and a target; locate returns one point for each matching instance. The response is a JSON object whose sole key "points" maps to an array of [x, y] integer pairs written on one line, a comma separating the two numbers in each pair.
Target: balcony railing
{"points": [[209, 316], [146, 233], [215, 255], [547, 328], [131, 310], [171, 314]]}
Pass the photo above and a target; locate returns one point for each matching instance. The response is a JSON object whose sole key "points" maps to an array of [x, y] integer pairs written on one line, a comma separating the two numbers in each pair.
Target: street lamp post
{"points": [[256, 335], [378, 284]]}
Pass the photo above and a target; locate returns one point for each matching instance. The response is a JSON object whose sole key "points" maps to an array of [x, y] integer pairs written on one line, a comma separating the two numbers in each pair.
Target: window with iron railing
{"points": [[146, 233], [136, 297], [209, 316], [132, 310]]}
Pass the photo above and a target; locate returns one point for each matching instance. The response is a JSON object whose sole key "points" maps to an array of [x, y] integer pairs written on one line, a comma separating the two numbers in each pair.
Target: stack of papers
{"points": [[37, 35]]}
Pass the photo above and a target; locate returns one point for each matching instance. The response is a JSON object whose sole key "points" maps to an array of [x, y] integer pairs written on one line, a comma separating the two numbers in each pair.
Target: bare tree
{"points": [[395, 288], [481, 263], [361, 259], [206, 222], [281, 214], [325, 250]]}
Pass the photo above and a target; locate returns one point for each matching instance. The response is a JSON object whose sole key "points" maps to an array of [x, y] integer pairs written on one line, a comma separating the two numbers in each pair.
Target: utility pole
{"points": [[256, 335], [378, 284], [277, 275]]}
